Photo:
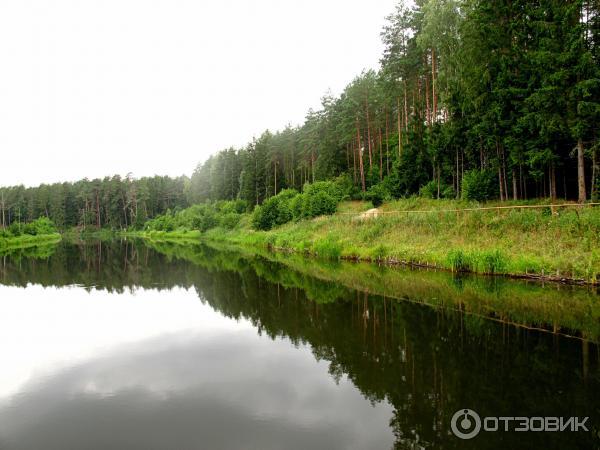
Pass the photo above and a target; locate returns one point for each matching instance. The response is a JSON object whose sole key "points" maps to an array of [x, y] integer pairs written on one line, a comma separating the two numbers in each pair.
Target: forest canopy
{"points": [[504, 94]]}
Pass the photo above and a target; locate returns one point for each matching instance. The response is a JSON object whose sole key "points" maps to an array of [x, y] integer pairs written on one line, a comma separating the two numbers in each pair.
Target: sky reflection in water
{"points": [[149, 369]]}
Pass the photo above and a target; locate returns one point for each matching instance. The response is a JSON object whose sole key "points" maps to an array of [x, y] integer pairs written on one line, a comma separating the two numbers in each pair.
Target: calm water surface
{"points": [[121, 346]]}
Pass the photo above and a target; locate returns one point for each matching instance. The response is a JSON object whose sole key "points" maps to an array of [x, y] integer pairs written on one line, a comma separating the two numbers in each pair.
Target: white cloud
{"points": [[55, 328]]}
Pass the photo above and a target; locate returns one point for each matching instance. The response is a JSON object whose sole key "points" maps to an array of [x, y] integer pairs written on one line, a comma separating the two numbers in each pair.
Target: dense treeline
{"points": [[499, 98], [474, 98], [110, 202]]}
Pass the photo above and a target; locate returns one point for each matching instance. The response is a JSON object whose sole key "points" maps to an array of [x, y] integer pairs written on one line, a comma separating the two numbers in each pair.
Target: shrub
{"points": [[15, 229], [331, 188], [231, 206], [430, 190], [318, 199], [377, 194], [320, 203], [162, 223], [274, 211], [42, 225], [230, 220], [297, 206], [284, 213], [345, 186], [448, 192], [260, 220], [202, 217], [479, 185]]}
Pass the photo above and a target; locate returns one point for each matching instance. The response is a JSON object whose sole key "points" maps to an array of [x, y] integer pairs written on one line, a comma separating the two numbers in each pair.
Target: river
{"points": [[126, 345]]}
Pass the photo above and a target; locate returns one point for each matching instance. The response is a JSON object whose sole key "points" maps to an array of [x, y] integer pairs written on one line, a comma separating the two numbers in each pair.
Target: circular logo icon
{"points": [[465, 424]]}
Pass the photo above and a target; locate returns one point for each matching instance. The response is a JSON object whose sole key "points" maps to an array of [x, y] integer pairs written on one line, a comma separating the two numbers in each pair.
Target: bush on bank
{"points": [[38, 227], [203, 217], [318, 199]]}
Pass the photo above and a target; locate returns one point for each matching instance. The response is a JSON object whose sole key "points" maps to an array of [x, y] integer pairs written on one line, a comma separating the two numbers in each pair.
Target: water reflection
{"points": [[54, 327], [151, 371], [227, 387]]}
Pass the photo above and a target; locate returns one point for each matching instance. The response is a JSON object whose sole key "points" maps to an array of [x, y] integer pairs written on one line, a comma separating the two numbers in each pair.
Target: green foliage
{"points": [[298, 206], [430, 190], [331, 188], [43, 225], [506, 241], [274, 211], [110, 202], [232, 206], [485, 261], [205, 219], [319, 203], [161, 223], [38, 227], [479, 185], [229, 220], [377, 194], [201, 217], [493, 261], [328, 248], [514, 89], [320, 198], [459, 261]]}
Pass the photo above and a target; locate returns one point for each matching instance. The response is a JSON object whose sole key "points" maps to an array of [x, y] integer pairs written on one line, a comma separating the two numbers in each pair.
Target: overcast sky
{"points": [[90, 88]]}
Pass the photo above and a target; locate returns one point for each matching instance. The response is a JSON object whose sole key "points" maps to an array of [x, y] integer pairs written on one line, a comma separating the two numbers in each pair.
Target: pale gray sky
{"points": [[99, 87]]}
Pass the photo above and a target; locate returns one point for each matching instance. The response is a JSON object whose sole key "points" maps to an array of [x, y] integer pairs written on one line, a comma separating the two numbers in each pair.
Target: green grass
{"points": [[27, 241], [523, 242]]}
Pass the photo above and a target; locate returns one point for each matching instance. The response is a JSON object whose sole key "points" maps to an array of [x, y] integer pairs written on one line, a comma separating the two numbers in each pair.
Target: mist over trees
{"points": [[111, 202]]}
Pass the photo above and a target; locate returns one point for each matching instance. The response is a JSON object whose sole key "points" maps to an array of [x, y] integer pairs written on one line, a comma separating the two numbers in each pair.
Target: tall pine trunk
{"points": [[552, 182], [581, 171], [387, 143], [433, 92], [369, 134], [360, 158], [400, 128], [380, 156]]}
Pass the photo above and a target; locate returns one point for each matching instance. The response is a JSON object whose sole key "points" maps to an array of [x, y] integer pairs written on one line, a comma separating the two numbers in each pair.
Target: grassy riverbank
{"points": [[563, 244], [27, 241]]}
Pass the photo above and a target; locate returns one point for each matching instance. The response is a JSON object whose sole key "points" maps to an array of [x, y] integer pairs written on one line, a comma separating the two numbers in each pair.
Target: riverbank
{"points": [[560, 244], [28, 241]]}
